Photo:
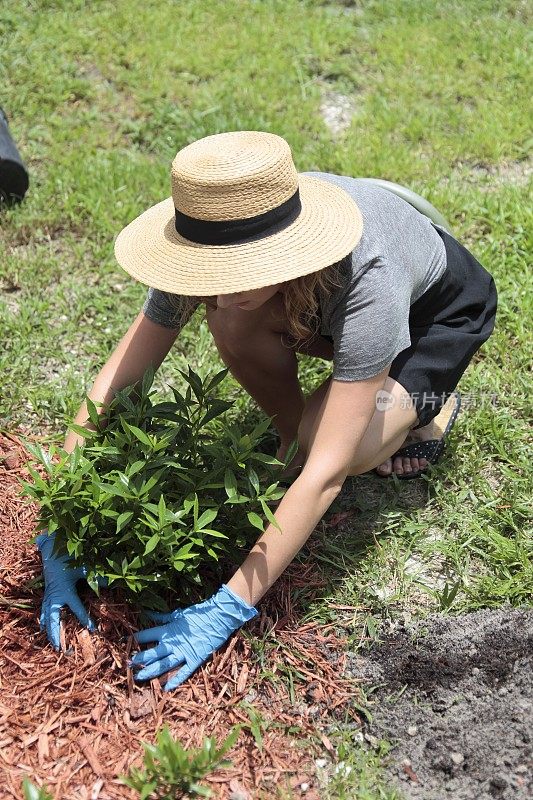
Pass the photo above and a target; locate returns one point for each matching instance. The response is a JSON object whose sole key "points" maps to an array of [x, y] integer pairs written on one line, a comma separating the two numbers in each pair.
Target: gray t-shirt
{"points": [[400, 255]]}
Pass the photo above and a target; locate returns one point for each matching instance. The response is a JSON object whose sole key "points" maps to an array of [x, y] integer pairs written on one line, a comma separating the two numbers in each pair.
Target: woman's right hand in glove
{"points": [[60, 580]]}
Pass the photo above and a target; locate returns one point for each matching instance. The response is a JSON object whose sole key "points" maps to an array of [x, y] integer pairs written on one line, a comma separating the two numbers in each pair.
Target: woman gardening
{"points": [[327, 265]]}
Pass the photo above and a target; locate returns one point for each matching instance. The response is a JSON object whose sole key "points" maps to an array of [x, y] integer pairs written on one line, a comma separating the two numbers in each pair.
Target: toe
{"points": [[423, 462], [385, 468], [398, 465], [407, 465], [415, 464]]}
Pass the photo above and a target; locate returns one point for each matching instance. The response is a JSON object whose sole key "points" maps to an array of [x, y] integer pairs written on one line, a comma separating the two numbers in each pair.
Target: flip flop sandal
{"points": [[432, 449]]}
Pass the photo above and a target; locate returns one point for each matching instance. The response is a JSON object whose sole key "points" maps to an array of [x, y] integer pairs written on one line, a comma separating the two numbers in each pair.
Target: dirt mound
{"points": [[75, 720], [455, 697]]}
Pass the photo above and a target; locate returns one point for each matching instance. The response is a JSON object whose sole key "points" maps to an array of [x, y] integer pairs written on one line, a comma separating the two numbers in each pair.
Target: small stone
{"points": [[304, 787], [11, 460], [475, 670], [405, 763], [320, 763], [342, 768], [521, 769], [457, 758], [412, 730], [498, 782]]}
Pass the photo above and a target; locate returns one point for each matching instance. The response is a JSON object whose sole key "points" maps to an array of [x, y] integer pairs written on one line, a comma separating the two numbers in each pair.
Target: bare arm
{"points": [[338, 428], [143, 344]]}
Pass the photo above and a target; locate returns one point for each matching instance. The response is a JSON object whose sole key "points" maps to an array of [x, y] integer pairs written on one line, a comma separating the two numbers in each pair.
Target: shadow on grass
{"points": [[366, 512]]}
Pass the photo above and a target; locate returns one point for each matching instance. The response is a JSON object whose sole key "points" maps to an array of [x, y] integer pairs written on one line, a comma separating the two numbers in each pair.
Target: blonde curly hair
{"points": [[302, 301]]}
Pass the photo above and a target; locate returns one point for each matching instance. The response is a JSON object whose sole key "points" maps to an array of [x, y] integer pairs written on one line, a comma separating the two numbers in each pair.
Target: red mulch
{"points": [[75, 720]]}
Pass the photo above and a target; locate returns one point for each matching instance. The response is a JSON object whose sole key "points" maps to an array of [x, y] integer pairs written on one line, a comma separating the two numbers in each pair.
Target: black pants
{"points": [[447, 324]]}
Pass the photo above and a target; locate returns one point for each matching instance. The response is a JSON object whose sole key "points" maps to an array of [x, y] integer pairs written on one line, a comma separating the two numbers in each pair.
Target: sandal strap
{"points": [[430, 450]]}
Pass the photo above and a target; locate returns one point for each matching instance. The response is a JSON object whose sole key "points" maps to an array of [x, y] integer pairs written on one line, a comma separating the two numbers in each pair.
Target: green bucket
{"points": [[418, 202]]}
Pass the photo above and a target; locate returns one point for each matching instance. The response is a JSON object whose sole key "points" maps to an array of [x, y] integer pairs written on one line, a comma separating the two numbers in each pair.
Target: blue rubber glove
{"points": [[190, 635], [59, 589]]}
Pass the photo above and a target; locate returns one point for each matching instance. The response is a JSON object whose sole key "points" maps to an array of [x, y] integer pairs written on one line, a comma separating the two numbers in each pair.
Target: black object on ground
{"points": [[455, 698], [14, 179]]}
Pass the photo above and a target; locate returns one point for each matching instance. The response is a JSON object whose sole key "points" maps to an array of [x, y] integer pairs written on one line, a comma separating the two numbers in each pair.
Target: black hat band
{"points": [[230, 231]]}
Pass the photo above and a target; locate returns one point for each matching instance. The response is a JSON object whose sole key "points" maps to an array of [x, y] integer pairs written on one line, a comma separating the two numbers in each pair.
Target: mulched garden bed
{"points": [[75, 720]]}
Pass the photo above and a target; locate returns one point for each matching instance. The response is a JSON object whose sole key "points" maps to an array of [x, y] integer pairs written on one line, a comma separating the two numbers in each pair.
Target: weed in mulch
{"points": [[75, 720]]}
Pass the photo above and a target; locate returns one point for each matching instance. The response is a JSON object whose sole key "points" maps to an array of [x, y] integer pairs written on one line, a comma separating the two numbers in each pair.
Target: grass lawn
{"points": [[101, 95]]}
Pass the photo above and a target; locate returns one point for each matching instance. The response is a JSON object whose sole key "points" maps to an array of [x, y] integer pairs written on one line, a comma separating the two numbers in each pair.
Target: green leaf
{"points": [[152, 543], [261, 428], [216, 379], [162, 510], [218, 534], [266, 459], [92, 580], [269, 515], [148, 379], [115, 490], [230, 482], [93, 413], [217, 408], [138, 433], [254, 479], [132, 469], [255, 520], [203, 791], [81, 431], [206, 518], [147, 790], [123, 520], [183, 552], [32, 792]]}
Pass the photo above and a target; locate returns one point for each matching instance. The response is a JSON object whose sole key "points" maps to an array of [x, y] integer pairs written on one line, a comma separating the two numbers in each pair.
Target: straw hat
{"points": [[240, 217]]}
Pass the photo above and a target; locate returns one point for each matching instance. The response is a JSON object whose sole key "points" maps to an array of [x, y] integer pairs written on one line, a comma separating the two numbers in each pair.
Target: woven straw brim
{"points": [[328, 228]]}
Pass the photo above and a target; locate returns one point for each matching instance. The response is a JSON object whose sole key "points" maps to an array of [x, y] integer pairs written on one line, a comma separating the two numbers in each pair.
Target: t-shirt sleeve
{"points": [[370, 323], [168, 309]]}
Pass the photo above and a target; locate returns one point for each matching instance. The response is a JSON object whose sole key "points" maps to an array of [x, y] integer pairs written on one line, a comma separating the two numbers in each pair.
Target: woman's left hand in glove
{"points": [[190, 635]]}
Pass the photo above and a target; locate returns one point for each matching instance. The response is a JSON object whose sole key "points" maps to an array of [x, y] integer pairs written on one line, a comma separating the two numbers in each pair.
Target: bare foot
{"points": [[407, 465]]}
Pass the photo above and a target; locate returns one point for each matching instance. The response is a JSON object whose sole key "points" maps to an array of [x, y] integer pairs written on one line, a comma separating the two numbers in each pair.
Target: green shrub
{"points": [[169, 768], [160, 491]]}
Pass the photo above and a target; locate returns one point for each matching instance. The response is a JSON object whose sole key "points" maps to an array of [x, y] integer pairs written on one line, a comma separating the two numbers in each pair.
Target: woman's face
{"points": [[250, 300]]}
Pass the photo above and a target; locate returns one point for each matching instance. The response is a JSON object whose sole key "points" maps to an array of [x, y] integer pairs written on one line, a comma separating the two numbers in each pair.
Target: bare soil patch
{"points": [[492, 177], [455, 697]]}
